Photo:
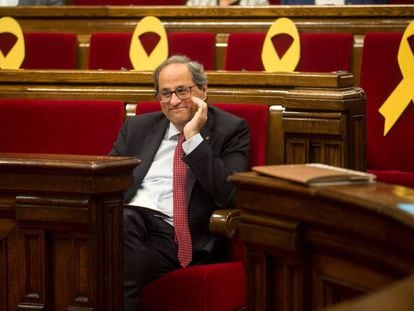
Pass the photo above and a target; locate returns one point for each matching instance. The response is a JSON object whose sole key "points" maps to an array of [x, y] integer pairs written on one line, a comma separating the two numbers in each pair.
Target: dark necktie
{"points": [[182, 231]]}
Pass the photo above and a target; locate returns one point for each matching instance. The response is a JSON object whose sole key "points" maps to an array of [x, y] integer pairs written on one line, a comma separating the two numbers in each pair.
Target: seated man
{"points": [[159, 234]]}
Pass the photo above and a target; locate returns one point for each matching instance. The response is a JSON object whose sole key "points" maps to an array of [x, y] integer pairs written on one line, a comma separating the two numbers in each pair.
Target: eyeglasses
{"points": [[182, 92]]}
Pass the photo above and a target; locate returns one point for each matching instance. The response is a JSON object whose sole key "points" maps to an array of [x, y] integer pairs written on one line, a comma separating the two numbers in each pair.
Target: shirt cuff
{"points": [[192, 143]]}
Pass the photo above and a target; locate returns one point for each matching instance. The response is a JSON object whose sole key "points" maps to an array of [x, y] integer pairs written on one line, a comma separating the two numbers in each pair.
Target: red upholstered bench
{"points": [[218, 287], [319, 52], [59, 126], [390, 157], [111, 50]]}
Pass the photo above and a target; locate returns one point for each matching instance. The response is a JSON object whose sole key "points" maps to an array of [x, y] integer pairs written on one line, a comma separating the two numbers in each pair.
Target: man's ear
{"points": [[204, 93]]}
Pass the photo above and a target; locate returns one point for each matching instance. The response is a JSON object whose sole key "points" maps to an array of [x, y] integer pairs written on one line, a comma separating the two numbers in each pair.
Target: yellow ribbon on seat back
{"points": [[270, 59], [403, 94], [139, 58], [15, 56]]}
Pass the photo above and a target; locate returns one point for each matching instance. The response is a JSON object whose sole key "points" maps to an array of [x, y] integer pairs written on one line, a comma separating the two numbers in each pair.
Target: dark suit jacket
{"points": [[223, 151]]}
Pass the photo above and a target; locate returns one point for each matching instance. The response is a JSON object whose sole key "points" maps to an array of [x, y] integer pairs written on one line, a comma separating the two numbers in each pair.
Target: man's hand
{"points": [[194, 126]]}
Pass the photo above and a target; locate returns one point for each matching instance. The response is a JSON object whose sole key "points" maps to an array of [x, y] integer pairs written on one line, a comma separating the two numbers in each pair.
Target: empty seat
{"points": [[59, 126], [111, 50], [44, 50], [319, 52], [389, 156]]}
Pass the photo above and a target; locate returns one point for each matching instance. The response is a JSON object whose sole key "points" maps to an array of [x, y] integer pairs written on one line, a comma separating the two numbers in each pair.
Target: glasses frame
{"points": [[174, 92]]}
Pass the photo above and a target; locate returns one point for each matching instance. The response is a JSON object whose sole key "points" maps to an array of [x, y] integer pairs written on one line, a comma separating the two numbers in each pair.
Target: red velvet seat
{"points": [[218, 287], [390, 157], [59, 126], [111, 50], [50, 50], [320, 52], [401, 1], [128, 2]]}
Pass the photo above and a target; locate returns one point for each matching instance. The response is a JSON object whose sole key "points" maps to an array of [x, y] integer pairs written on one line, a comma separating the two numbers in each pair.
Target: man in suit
{"points": [[216, 145]]}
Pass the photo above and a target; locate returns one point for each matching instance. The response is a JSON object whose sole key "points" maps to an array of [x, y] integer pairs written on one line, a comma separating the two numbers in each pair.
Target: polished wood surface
{"points": [[397, 297], [355, 19], [61, 231], [311, 247], [323, 118]]}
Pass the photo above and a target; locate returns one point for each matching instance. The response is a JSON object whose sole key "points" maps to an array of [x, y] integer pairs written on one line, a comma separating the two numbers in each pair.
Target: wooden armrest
{"points": [[225, 222]]}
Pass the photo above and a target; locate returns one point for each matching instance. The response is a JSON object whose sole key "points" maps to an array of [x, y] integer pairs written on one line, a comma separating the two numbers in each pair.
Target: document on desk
{"points": [[315, 174]]}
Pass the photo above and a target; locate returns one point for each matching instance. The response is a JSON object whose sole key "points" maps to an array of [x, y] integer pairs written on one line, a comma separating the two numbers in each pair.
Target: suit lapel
{"points": [[149, 148]]}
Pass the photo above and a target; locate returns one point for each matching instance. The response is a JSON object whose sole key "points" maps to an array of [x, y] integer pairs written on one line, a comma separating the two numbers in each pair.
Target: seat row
{"points": [[111, 51], [174, 2]]}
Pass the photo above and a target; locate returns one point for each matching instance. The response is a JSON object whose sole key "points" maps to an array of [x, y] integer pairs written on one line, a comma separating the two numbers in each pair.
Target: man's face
{"points": [[177, 77]]}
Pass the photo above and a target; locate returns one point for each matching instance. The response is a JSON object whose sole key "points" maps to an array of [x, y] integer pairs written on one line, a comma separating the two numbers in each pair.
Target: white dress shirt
{"points": [[214, 2], [156, 191], [9, 2]]}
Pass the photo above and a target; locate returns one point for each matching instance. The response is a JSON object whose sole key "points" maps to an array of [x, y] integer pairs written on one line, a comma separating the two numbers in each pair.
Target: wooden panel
{"points": [[61, 246], [340, 242]]}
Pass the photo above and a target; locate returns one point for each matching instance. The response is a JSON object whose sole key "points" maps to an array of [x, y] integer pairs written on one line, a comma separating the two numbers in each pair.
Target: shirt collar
{"points": [[172, 131]]}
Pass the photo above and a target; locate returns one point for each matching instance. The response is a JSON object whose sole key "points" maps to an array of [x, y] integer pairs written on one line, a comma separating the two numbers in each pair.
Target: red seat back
{"points": [[401, 1], [256, 116], [380, 75], [128, 2], [111, 50], [50, 50], [59, 126], [319, 52]]}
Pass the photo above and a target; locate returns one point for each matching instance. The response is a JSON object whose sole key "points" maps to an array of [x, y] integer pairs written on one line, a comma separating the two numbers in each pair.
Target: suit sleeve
{"points": [[119, 147], [211, 163]]}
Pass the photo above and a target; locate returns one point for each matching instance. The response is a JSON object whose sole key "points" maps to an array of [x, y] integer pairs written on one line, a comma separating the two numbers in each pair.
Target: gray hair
{"points": [[196, 69]]}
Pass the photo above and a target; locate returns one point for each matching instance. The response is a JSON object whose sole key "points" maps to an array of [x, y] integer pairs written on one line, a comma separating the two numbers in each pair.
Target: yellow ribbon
{"points": [[403, 94], [137, 54], [15, 57], [271, 60]]}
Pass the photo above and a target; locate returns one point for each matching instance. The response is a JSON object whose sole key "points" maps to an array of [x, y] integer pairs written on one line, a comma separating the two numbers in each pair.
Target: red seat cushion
{"points": [[59, 126], [320, 52], [395, 177], [218, 287]]}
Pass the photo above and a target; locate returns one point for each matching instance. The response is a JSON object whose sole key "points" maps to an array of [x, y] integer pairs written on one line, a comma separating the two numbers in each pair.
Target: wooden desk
{"points": [[61, 231], [83, 20], [323, 121], [309, 247]]}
